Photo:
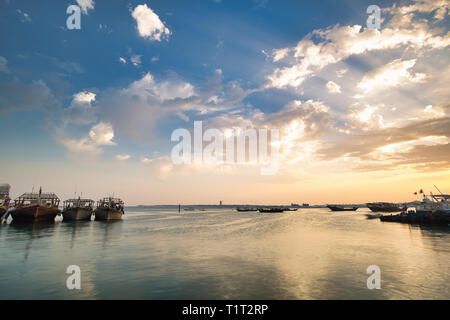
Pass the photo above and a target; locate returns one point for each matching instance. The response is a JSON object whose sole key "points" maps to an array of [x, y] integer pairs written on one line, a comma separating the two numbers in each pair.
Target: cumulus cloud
{"points": [[80, 110], [100, 135], [148, 23], [394, 74], [438, 7], [86, 5], [338, 43], [123, 60], [136, 109]]}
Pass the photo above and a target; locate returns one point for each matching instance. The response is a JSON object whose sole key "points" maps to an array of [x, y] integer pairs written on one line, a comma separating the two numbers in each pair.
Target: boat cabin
{"points": [[79, 203], [111, 203], [44, 199], [4, 195]]}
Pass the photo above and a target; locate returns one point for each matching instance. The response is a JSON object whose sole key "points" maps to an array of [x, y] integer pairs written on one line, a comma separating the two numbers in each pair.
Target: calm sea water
{"points": [[223, 254]]}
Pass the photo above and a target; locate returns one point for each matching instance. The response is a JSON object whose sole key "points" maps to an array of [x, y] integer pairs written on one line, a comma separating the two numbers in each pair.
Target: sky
{"points": [[363, 113]]}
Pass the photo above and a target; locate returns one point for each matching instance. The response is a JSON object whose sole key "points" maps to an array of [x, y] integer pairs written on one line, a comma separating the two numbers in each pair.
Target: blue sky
{"points": [[218, 62]]}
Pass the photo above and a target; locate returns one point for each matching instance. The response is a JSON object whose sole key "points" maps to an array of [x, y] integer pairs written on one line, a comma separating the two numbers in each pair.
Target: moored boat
{"points": [[271, 210], [431, 210], [78, 209], [109, 209], [4, 198], [341, 208], [386, 207], [35, 207], [246, 209]]}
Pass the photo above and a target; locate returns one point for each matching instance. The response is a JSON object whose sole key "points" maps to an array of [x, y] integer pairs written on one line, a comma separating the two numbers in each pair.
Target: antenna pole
{"points": [[438, 190]]}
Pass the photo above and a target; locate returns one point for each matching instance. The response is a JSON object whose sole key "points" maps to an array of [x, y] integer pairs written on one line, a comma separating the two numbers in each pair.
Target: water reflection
{"points": [[160, 254], [28, 232]]}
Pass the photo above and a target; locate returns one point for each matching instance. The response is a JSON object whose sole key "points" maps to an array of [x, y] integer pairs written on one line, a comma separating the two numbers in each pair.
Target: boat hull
{"points": [[108, 214], [272, 210], [335, 208], [77, 214], [416, 219], [34, 213], [375, 208]]}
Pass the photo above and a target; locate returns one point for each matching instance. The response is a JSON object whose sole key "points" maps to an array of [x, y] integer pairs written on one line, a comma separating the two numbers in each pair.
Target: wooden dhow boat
{"points": [[34, 207], [4, 198], [246, 209], [109, 209], [341, 208], [271, 210], [78, 209], [386, 207]]}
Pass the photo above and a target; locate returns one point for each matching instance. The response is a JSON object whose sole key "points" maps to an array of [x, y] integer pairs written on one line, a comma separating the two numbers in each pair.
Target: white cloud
{"points": [[136, 59], [102, 134], [148, 23], [280, 54], [85, 97], [339, 43], [439, 7], [123, 157], [86, 5], [367, 118], [393, 74], [4, 65], [80, 110], [410, 144], [136, 109], [122, 60], [333, 87]]}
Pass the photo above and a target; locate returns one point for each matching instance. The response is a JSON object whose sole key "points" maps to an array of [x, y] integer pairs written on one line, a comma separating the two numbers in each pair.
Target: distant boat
{"points": [[109, 209], [78, 209], [34, 207], [386, 207], [270, 210], [4, 198], [341, 208], [244, 209]]}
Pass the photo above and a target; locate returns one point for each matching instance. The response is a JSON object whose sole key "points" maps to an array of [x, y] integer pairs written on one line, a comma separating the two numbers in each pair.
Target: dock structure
{"points": [[437, 217]]}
